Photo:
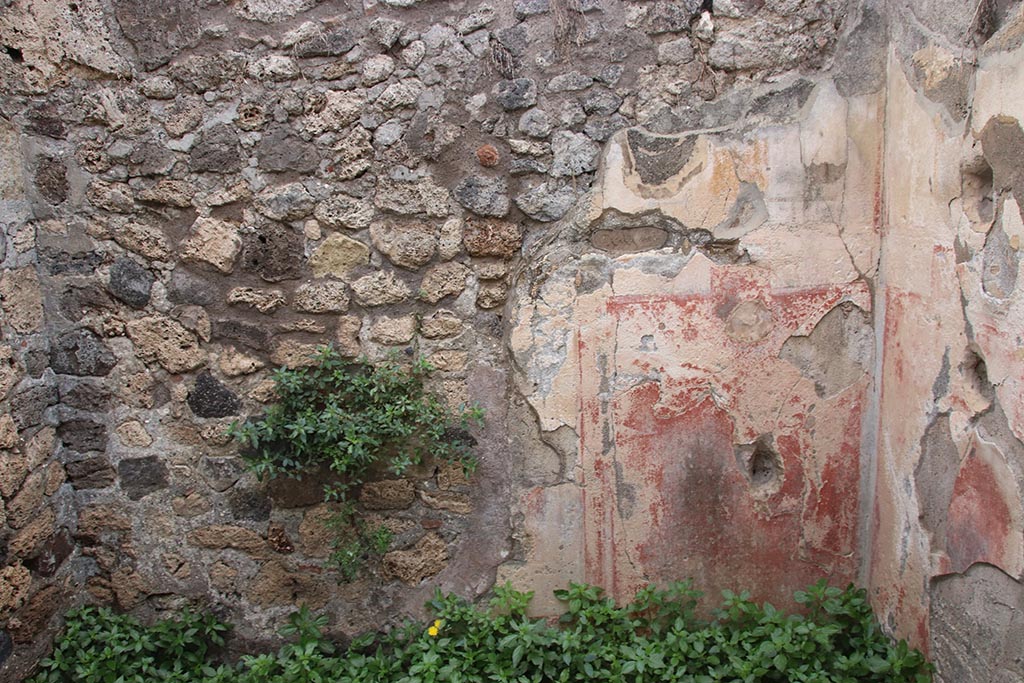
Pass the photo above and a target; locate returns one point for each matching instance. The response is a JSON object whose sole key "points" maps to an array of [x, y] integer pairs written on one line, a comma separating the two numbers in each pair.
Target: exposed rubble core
{"points": [[735, 282]]}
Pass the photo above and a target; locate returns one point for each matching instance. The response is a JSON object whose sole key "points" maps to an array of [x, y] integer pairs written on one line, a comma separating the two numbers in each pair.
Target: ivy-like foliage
{"points": [[353, 416]]}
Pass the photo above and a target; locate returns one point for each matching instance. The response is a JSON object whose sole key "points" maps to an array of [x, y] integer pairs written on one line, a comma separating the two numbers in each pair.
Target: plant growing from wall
{"points": [[353, 417]]}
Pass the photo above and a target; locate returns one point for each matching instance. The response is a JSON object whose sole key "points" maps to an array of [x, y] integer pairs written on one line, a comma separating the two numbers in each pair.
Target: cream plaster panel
{"points": [[630, 277], [860, 213], [922, 179], [802, 255], [823, 132], [999, 88], [554, 546]]}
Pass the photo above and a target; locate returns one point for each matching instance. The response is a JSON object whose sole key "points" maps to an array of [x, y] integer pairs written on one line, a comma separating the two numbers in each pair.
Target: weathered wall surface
{"points": [[701, 334], [197, 191], [948, 553], [734, 280]]}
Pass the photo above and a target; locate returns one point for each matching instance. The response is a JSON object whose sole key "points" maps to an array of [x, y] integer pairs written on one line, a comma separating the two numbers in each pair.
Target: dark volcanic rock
{"points": [[658, 158], [51, 555], [210, 398], [142, 476], [90, 473], [274, 252], [187, 287], [484, 196], [130, 282], [83, 435], [82, 353], [250, 504], [516, 94], [6, 647], [217, 151], [60, 262], [158, 30], [246, 334], [282, 150], [52, 179], [29, 405], [84, 395], [330, 44], [44, 119], [220, 474]]}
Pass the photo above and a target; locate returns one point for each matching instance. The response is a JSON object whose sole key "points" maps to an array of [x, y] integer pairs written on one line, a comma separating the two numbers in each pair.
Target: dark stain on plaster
{"points": [[941, 384], [934, 477], [994, 427], [747, 213], [592, 275], [781, 105], [952, 90], [1002, 141], [625, 493], [962, 251], [861, 56], [976, 190], [656, 158], [629, 240], [823, 174], [990, 17]]}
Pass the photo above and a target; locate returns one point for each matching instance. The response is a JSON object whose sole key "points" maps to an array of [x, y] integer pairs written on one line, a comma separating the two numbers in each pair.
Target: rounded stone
{"points": [[536, 123], [130, 282], [483, 195], [81, 353], [338, 255], [516, 94]]}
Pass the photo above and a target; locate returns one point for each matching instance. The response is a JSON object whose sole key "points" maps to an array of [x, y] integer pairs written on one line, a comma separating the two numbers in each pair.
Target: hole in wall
{"points": [[975, 372], [976, 183], [761, 464], [990, 16], [14, 53], [764, 468]]}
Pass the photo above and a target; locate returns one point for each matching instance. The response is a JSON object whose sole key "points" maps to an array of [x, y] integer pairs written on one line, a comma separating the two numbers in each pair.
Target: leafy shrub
{"points": [[99, 646], [350, 416], [655, 638]]}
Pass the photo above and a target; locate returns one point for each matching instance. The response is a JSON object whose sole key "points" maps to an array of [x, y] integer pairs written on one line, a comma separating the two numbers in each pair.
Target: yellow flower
{"points": [[435, 629]]}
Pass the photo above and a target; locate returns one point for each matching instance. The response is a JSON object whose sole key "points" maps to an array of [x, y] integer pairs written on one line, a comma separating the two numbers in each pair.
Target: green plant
{"points": [[655, 638], [100, 646], [350, 416]]}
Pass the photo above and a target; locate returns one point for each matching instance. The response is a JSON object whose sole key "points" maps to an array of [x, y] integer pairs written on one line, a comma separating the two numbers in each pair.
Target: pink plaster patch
{"points": [[985, 518], [674, 402]]}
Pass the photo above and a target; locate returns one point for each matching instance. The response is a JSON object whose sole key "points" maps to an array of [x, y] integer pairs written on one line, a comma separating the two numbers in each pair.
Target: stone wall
{"points": [[676, 249]]}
